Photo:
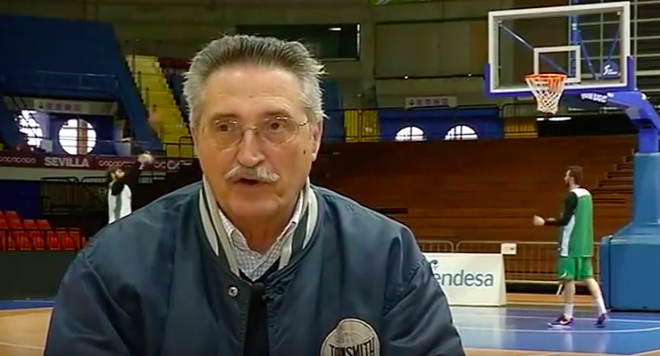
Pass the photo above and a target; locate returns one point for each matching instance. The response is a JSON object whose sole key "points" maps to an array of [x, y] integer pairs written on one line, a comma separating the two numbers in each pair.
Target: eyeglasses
{"points": [[276, 131]]}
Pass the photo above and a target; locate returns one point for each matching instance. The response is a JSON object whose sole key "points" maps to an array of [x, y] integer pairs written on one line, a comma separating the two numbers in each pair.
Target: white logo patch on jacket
{"points": [[351, 337]]}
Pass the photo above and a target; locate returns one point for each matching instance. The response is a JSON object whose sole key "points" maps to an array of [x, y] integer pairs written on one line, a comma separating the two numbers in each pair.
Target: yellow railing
{"points": [[159, 101]]}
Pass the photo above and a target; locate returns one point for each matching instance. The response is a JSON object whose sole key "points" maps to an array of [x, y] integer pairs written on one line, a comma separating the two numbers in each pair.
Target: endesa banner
{"points": [[18, 159], [474, 279]]}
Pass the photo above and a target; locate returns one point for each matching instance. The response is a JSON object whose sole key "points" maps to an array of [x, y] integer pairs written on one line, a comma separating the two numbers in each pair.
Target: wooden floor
{"points": [[22, 332]]}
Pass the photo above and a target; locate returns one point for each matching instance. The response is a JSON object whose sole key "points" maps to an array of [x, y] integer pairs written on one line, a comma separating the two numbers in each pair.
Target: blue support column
{"points": [[573, 39], [630, 258], [9, 130]]}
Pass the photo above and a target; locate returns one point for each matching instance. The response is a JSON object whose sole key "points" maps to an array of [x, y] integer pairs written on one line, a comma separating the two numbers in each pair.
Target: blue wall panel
{"points": [[20, 196], [437, 122], [103, 126]]}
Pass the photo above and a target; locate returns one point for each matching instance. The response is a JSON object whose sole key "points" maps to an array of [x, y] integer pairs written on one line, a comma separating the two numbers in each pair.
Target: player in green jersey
{"points": [[576, 242]]}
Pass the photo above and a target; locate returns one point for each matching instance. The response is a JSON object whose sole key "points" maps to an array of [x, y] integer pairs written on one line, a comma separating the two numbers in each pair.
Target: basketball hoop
{"points": [[547, 89]]}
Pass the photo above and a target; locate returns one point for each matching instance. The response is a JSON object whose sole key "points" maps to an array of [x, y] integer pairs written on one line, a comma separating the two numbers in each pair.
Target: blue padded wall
{"points": [[331, 95], [8, 128], [435, 123], [20, 196], [629, 258], [103, 126], [333, 130], [70, 59]]}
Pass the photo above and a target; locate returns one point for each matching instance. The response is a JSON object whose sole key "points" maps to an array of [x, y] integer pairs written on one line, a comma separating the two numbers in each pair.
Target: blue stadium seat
{"points": [[69, 59]]}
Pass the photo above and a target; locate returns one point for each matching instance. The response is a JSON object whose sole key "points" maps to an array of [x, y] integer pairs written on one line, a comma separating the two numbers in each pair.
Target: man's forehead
{"points": [[252, 81], [229, 99]]}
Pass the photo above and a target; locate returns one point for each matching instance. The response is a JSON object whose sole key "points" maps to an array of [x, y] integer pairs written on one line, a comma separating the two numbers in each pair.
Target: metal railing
{"points": [[52, 80], [436, 246], [533, 262]]}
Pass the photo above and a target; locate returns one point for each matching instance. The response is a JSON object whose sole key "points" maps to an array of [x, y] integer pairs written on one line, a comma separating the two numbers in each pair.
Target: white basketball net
{"points": [[547, 89]]}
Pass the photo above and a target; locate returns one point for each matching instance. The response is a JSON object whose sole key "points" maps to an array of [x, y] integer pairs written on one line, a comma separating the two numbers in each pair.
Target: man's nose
{"points": [[250, 153]]}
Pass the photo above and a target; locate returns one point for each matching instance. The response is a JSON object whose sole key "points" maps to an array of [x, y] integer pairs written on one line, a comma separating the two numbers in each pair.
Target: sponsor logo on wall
{"points": [[470, 279], [14, 159], [462, 278], [62, 106]]}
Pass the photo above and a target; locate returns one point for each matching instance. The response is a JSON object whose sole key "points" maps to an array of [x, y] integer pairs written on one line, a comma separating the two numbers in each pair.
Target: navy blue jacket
{"points": [[146, 285]]}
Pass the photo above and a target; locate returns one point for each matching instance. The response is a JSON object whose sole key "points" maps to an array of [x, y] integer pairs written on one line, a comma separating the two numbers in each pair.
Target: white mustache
{"points": [[259, 173]]}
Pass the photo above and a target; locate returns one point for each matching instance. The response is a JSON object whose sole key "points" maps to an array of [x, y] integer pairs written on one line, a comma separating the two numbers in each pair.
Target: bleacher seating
{"points": [[482, 190], [175, 81], [471, 196], [18, 234], [77, 59], [158, 97]]}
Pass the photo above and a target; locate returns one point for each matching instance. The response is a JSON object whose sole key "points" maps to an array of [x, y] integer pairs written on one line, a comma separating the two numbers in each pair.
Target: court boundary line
{"points": [[640, 321], [544, 352], [21, 346], [21, 311], [557, 331]]}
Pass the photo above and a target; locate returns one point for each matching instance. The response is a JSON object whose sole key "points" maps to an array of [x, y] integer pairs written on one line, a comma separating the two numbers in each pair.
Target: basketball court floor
{"points": [[518, 329]]}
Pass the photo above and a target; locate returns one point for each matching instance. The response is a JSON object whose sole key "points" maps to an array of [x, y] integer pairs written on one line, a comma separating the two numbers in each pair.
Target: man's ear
{"points": [[193, 136], [317, 137]]}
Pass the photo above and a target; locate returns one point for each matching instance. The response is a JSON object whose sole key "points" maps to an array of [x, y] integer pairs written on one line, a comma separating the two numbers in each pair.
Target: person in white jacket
{"points": [[119, 191]]}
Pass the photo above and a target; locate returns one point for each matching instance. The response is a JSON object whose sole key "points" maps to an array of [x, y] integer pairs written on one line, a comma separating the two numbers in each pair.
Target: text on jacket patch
{"points": [[352, 337]]}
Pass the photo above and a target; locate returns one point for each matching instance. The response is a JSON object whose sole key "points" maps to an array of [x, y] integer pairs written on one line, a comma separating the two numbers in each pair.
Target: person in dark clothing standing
{"points": [[119, 191]]}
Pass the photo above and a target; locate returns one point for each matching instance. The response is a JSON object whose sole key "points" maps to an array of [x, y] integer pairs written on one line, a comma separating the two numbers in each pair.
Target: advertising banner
{"points": [[474, 279]]}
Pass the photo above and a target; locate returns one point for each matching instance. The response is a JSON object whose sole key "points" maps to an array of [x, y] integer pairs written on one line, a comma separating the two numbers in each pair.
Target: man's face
{"points": [[119, 174], [567, 178], [250, 96]]}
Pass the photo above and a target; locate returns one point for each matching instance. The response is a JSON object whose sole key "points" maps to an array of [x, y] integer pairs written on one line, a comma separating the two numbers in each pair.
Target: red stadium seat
{"points": [[29, 224], [66, 241], [43, 224], [35, 236], [53, 241], [15, 223], [19, 235], [37, 240], [10, 214], [44, 227], [74, 234]]}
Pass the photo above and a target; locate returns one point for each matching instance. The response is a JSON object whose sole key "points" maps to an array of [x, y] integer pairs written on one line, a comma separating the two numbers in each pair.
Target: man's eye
{"points": [[275, 126], [223, 127]]}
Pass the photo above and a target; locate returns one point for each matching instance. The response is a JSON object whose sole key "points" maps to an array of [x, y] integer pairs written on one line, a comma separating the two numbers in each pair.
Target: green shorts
{"points": [[575, 268]]}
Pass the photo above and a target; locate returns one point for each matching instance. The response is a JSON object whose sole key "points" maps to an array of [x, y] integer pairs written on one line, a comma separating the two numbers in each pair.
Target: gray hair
{"points": [[261, 51]]}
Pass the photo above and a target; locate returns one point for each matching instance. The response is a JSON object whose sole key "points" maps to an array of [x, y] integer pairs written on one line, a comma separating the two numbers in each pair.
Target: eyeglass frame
{"points": [[256, 130]]}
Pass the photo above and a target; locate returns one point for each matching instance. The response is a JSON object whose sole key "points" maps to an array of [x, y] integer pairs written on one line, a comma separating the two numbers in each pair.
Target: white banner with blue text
{"points": [[474, 279]]}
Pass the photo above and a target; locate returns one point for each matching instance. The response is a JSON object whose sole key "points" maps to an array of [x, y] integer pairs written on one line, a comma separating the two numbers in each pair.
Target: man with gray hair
{"points": [[253, 260]]}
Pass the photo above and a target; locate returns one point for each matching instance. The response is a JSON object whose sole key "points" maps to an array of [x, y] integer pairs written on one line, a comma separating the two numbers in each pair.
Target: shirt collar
{"points": [[221, 243]]}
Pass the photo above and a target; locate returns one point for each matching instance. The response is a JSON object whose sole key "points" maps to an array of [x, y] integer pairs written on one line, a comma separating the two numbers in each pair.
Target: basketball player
{"points": [[119, 192], [576, 242]]}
